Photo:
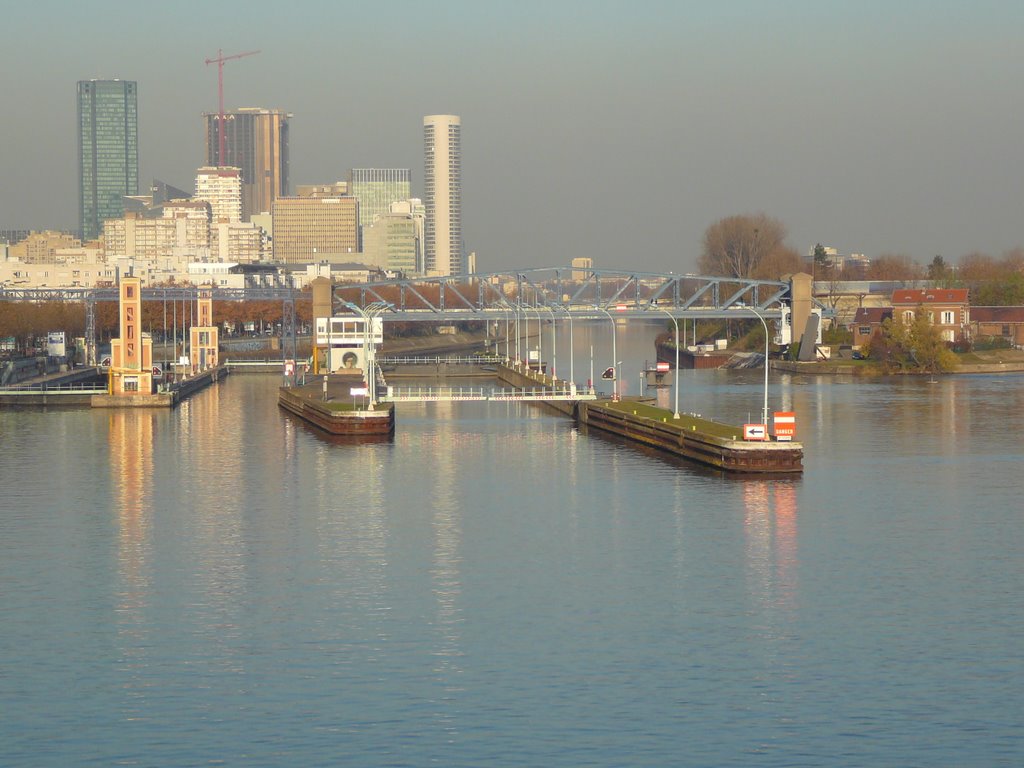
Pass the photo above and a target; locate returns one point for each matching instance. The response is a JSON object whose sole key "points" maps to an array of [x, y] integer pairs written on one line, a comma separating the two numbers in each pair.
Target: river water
{"points": [[220, 585]]}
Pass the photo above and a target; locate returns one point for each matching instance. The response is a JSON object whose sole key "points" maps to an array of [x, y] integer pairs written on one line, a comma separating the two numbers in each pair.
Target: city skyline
{"points": [[599, 131]]}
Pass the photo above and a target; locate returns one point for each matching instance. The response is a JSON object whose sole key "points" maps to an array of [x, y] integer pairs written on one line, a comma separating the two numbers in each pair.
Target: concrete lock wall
{"points": [[800, 288]]}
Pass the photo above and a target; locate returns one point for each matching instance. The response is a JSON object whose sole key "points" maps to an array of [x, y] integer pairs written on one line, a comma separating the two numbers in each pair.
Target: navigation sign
{"points": [[158, 371], [55, 344], [609, 373], [755, 432], [358, 391]]}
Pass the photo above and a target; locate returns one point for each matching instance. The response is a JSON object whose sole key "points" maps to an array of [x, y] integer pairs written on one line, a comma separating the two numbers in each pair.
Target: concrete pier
{"points": [[701, 440], [168, 399]]}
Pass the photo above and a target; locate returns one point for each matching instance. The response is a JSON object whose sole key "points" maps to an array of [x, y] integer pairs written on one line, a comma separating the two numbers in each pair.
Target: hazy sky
{"points": [[616, 130]]}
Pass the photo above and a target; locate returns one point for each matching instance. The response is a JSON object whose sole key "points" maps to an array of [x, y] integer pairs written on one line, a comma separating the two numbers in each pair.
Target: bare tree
{"points": [[736, 246], [895, 267], [978, 266], [782, 261]]}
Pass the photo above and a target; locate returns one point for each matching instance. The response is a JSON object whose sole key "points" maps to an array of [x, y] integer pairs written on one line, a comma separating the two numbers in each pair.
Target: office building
{"points": [[41, 247], [442, 181], [376, 189], [108, 151], [12, 236], [393, 242], [255, 141], [310, 229], [337, 189], [582, 268]]}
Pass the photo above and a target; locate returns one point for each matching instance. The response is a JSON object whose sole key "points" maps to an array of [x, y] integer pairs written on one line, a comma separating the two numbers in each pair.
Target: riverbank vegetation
{"points": [[917, 347]]}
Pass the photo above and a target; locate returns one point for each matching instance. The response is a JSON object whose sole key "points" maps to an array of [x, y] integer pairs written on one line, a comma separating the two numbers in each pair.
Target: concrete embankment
{"points": [[840, 368], [53, 389], [167, 399], [521, 377]]}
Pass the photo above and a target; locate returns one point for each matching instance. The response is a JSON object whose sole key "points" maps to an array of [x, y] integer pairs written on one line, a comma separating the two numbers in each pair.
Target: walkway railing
{"points": [[76, 388], [437, 360], [459, 394], [275, 364]]}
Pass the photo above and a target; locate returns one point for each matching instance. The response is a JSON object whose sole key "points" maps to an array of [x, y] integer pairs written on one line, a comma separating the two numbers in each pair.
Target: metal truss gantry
{"points": [[583, 293]]}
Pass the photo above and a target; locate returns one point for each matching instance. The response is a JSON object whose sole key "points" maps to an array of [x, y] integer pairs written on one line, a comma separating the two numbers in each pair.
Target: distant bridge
{"points": [[580, 294], [585, 294]]}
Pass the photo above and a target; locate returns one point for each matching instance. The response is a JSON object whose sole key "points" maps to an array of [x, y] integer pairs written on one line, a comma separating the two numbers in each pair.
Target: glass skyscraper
{"points": [[256, 141], [108, 151], [377, 188]]}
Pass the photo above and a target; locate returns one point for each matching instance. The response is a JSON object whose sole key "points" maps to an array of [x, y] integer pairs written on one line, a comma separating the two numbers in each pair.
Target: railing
{"points": [[76, 388], [460, 394], [438, 360], [255, 364]]}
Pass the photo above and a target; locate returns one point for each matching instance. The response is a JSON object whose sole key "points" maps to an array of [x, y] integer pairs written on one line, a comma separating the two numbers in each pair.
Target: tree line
{"points": [[754, 247]]}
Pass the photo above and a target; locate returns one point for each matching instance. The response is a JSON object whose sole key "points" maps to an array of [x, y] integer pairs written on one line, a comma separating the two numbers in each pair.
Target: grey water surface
{"points": [[221, 585]]}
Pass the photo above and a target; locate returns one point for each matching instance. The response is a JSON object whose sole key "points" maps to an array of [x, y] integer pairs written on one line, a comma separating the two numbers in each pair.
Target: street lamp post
{"points": [[554, 346], [767, 337], [540, 341], [572, 362], [526, 333], [675, 375], [504, 309], [615, 356], [368, 313]]}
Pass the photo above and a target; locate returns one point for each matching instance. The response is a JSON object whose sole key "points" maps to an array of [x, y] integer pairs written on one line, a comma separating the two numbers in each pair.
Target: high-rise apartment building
{"points": [[255, 141], [183, 229], [442, 181], [222, 189], [376, 189], [108, 151]]}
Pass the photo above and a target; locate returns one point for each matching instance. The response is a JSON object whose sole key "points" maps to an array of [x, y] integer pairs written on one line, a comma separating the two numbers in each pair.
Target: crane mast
{"points": [[219, 61]]}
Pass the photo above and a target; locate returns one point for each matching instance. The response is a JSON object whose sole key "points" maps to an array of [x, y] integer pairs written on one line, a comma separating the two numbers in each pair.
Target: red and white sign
{"points": [[289, 367], [620, 307], [785, 425], [662, 367], [755, 432]]}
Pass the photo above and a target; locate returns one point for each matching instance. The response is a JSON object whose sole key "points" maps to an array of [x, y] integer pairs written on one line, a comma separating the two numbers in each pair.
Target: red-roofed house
{"points": [[867, 322], [947, 308], [999, 322]]}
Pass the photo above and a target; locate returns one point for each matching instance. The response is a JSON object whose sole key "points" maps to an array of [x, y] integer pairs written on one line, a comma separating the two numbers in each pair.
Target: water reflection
{"points": [[772, 558], [211, 476], [130, 440]]}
